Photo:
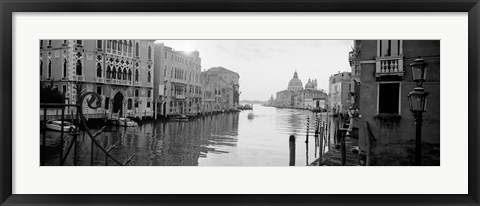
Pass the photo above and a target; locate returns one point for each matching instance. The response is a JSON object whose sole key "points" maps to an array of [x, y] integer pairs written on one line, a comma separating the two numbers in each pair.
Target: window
{"points": [[136, 104], [148, 104], [165, 55], [49, 68], [125, 46], [129, 104], [149, 77], [119, 45], [99, 90], [99, 44], [109, 44], [64, 68], [79, 67], [388, 98], [149, 93], [99, 70], [137, 49], [107, 102], [49, 43], [79, 42], [129, 47], [41, 43], [64, 90], [149, 52], [130, 75], [136, 75], [114, 44], [41, 67], [114, 73], [119, 76], [108, 72], [389, 47], [136, 92]]}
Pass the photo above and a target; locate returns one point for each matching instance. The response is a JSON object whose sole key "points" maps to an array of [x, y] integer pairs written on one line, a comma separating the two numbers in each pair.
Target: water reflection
{"points": [[219, 140]]}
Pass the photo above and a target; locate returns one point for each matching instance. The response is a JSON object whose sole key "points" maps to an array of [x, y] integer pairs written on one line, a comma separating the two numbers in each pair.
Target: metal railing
{"points": [[80, 120]]}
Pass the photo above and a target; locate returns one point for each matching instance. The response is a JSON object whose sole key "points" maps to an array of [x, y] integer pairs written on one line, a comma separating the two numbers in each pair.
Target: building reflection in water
{"points": [[207, 141]]}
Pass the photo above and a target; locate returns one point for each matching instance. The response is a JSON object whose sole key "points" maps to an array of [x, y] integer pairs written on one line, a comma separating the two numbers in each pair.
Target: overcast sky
{"points": [[266, 66]]}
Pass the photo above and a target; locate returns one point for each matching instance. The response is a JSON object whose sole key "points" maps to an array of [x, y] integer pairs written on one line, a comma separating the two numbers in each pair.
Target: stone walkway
{"points": [[334, 158]]}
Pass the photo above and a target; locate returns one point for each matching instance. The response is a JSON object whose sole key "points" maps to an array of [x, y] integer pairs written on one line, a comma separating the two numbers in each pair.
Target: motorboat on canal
{"points": [[56, 125], [180, 117], [126, 122], [251, 115]]}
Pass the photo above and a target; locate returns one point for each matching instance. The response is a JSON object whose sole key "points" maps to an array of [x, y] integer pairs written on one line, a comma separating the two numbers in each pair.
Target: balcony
{"points": [[79, 78], [99, 80], [389, 67], [108, 80], [114, 81], [180, 96], [138, 83]]}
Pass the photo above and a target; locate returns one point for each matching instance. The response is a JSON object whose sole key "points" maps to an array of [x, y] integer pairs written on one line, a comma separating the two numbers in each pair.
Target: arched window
{"points": [[129, 104], [99, 70], [108, 72], [49, 68], [114, 44], [149, 52], [41, 67], [64, 68], [120, 45], [137, 49], [130, 47], [119, 76], [79, 67], [124, 74], [136, 75], [129, 74], [109, 44], [149, 77], [114, 73], [125, 45]]}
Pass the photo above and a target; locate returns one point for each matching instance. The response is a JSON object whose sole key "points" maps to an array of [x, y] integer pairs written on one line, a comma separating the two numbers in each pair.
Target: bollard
{"points": [[308, 124], [291, 140], [343, 149]]}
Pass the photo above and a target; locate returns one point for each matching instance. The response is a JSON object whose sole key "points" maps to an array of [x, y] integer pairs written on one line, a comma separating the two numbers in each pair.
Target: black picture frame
{"points": [[7, 8]]}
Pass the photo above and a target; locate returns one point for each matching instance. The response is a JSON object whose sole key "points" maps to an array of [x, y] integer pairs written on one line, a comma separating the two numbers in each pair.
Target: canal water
{"points": [[229, 139]]}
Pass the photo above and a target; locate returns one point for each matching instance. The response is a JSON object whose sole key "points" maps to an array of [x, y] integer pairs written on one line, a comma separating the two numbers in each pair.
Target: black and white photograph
{"points": [[239, 102]]}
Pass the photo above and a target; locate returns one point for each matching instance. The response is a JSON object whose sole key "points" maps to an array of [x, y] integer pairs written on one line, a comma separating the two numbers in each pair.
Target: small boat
{"points": [[250, 115], [56, 125], [180, 117], [126, 122]]}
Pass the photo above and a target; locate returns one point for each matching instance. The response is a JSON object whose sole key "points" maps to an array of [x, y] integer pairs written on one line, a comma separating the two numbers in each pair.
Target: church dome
{"points": [[295, 83], [309, 85]]}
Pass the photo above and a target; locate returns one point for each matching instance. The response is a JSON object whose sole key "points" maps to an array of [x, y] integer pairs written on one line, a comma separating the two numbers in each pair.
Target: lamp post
{"points": [[417, 102]]}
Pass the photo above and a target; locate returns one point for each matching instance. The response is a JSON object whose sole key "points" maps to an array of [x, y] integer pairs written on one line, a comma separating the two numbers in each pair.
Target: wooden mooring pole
{"points": [[291, 140]]}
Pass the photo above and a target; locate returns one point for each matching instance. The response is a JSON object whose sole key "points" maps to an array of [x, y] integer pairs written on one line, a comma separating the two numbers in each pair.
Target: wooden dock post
{"points": [[321, 146], [343, 149], [291, 140]]}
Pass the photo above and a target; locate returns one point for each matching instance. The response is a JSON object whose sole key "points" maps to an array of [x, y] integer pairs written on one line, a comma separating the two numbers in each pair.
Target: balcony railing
{"points": [[79, 78], [389, 66], [180, 96], [99, 80], [137, 83]]}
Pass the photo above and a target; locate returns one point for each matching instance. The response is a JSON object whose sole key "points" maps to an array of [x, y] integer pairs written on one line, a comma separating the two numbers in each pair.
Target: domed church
{"points": [[295, 96], [295, 83]]}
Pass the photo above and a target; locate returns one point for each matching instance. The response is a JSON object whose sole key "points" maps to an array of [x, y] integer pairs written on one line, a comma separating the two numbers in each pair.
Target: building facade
{"points": [[386, 79], [121, 71], [178, 84], [339, 88], [221, 90]]}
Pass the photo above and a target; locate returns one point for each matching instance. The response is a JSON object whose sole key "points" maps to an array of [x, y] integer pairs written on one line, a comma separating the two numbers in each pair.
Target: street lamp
{"points": [[419, 71], [417, 102]]}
